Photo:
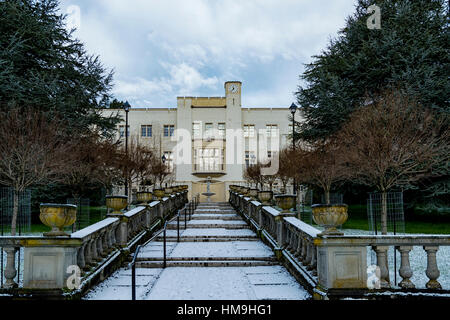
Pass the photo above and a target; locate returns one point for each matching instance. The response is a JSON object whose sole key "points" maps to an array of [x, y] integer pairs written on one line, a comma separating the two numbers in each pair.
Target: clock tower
{"points": [[234, 137]]}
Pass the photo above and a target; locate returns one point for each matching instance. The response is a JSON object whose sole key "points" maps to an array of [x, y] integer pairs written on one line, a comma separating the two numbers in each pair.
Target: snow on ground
{"points": [[118, 285], [238, 249], [228, 283], [214, 222], [218, 232]]}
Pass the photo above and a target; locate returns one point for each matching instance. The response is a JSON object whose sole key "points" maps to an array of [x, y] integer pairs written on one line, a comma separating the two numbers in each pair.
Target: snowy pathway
{"points": [[218, 258]]}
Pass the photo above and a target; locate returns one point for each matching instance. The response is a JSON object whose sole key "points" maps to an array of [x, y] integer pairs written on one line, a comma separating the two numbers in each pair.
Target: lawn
{"points": [[357, 219]]}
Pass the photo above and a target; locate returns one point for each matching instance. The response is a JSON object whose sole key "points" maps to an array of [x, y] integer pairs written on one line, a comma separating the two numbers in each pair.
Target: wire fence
{"points": [[83, 213], [391, 205], [335, 198], [304, 207], [7, 207]]}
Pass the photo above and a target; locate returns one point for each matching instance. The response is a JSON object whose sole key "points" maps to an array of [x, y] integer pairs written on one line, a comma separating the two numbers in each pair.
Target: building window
{"points": [[168, 155], [208, 130], [168, 130], [196, 129], [271, 130], [146, 131], [269, 155], [250, 158], [249, 130], [122, 131], [221, 129], [208, 160]]}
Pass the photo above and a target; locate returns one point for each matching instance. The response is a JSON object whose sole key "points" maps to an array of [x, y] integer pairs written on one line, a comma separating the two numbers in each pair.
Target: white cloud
{"points": [[160, 49]]}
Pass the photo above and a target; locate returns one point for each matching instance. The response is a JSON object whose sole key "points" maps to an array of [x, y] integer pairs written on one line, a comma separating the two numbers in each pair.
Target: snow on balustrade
{"points": [[94, 228], [134, 211], [422, 260]]}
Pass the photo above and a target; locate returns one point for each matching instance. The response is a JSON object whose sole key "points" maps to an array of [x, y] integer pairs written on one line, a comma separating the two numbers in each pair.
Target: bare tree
{"points": [[160, 171], [285, 169], [321, 163], [33, 150], [252, 175], [394, 142], [138, 162], [108, 158]]}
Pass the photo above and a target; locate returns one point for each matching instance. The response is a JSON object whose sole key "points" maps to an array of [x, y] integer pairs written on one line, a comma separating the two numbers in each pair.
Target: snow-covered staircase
{"points": [[217, 250], [216, 236]]}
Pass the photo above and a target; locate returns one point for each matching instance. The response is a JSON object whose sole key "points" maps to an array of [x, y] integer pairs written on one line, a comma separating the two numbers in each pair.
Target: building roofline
{"points": [[175, 108]]}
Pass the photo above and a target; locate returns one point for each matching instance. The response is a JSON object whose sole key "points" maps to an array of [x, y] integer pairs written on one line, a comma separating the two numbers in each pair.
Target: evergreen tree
{"points": [[44, 67], [409, 52]]}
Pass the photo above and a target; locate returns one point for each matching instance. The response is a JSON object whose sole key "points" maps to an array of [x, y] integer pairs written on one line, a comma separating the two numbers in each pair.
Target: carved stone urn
{"points": [[330, 216], [117, 203], [57, 216], [265, 197], [244, 191], [285, 202], [159, 193], [253, 193], [144, 196], [168, 191]]}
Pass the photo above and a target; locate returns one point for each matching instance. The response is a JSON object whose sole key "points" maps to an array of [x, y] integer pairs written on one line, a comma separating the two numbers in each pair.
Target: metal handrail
{"points": [[133, 272]]}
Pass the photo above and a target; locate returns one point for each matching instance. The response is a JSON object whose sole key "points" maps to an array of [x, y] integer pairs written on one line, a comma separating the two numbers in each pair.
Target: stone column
{"points": [[432, 268], [87, 255], [405, 268], [279, 229], [381, 252], [10, 270], [298, 252], [93, 250], [80, 257]]}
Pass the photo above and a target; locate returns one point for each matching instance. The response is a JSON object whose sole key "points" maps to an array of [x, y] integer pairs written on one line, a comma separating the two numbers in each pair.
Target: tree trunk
{"points": [[15, 212], [327, 196], [384, 212]]}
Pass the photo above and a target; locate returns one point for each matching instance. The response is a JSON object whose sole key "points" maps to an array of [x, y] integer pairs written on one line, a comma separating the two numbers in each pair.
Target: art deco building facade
{"points": [[210, 137]]}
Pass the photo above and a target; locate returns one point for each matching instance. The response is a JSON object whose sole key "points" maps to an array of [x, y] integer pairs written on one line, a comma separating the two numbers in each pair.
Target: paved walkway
{"points": [[218, 258]]}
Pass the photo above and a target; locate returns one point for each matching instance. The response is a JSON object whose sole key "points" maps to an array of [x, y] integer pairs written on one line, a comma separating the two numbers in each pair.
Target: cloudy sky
{"points": [[161, 49]]}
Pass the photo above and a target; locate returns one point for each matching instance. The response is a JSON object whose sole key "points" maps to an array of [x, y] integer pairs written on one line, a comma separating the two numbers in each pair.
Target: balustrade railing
{"points": [[46, 259], [336, 261]]}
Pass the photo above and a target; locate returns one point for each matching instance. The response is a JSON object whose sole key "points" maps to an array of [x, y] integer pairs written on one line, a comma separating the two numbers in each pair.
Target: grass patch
{"points": [[357, 219]]}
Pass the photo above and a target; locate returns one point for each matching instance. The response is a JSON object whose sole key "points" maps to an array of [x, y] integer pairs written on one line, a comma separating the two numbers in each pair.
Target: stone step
{"points": [[150, 259], [206, 263], [212, 211], [208, 239], [216, 217], [212, 224]]}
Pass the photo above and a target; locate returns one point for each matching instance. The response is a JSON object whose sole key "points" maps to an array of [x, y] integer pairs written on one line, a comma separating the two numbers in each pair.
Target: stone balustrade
{"points": [[340, 262], [47, 259]]}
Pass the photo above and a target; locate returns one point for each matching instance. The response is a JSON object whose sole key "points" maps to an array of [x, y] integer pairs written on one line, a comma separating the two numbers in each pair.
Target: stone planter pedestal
{"points": [[117, 203], [285, 202], [265, 197], [144, 197], [57, 216], [330, 216], [159, 193]]}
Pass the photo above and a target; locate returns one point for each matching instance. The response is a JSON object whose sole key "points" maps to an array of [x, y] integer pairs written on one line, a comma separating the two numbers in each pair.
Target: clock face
{"points": [[233, 88]]}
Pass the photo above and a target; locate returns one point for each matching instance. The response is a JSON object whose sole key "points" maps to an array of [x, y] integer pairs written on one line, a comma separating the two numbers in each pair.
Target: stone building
{"points": [[210, 137]]}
